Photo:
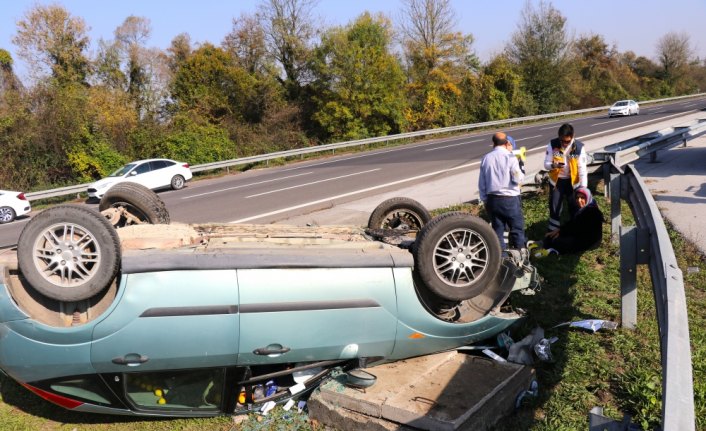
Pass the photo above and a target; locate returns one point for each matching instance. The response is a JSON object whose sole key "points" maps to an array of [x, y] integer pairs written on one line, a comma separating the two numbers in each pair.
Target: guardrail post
{"points": [[628, 276], [616, 217], [634, 250]]}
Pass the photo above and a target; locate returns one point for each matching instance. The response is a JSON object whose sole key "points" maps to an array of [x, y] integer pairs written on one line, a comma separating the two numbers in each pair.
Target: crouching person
{"points": [[582, 232]]}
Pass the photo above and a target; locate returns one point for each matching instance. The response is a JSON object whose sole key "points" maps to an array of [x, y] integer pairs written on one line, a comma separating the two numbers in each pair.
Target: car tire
{"points": [[399, 213], [68, 253], [457, 256], [178, 182], [7, 214], [140, 202]]}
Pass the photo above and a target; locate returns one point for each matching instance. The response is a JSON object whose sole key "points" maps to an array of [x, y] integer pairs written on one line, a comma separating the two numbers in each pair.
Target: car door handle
{"points": [[131, 360], [271, 350]]}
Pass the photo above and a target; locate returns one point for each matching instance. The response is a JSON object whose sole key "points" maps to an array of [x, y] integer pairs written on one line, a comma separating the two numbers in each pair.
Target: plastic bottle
{"points": [[270, 388]]}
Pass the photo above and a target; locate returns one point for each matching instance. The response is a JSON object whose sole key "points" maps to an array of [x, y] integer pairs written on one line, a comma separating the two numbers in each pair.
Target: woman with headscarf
{"points": [[582, 232]]}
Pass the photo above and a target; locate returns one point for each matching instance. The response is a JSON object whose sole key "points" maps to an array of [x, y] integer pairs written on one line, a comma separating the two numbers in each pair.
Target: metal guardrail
{"points": [[670, 300], [649, 243], [64, 191], [625, 152]]}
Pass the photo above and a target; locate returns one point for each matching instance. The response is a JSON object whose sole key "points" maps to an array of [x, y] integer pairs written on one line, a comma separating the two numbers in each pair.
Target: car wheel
{"points": [[178, 182], [399, 214], [68, 253], [457, 256], [131, 203], [7, 214]]}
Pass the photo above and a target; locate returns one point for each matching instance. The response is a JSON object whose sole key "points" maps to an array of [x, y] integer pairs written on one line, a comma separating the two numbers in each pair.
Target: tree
{"points": [[496, 93], [50, 40], [178, 52], [438, 59], [289, 30], [675, 53], [131, 36], [107, 66], [8, 80], [246, 43], [601, 76], [359, 84], [210, 85], [539, 48]]}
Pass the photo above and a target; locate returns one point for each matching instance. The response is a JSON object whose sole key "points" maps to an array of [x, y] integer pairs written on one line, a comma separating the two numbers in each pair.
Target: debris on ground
{"points": [[592, 325], [520, 352]]}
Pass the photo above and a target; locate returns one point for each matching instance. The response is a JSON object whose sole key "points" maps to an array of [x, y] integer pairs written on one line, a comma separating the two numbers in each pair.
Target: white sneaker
{"points": [[531, 245]]}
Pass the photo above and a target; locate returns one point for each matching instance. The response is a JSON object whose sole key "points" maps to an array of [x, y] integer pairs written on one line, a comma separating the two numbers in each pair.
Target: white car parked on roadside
{"points": [[624, 107], [152, 173], [12, 204]]}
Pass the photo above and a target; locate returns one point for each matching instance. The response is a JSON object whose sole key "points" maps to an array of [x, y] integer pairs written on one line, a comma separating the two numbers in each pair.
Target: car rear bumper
{"points": [[24, 210]]}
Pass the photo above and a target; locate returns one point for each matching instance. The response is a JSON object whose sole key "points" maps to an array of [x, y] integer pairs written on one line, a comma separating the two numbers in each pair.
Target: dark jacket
{"points": [[579, 234]]}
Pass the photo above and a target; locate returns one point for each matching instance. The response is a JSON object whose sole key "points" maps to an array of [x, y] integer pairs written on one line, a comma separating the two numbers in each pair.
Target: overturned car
{"points": [[123, 313]]}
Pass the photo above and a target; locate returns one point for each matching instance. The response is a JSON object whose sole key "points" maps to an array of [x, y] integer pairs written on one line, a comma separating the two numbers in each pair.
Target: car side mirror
{"points": [[132, 173]]}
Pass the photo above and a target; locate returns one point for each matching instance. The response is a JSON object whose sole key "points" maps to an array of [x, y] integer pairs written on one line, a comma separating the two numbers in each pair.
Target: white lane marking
{"points": [[452, 145], [547, 128], [246, 185], [529, 137], [657, 112], [355, 192], [605, 122], [313, 182]]}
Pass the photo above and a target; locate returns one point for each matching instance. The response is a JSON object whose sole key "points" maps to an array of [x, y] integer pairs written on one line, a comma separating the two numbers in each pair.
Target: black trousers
{"points": [[557, 194]]}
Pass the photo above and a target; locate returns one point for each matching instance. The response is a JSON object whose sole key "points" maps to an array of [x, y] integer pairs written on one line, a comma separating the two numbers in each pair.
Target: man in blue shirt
{"points": [[499, 187]]}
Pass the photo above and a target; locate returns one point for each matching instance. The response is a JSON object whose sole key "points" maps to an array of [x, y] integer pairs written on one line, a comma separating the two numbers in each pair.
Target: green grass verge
{"points": [[618, 370]]}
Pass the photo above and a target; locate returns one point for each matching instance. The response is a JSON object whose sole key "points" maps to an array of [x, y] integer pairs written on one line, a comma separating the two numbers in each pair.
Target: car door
{"points": [[141, 174], [160, 175], [170, 320], [310, 314]]}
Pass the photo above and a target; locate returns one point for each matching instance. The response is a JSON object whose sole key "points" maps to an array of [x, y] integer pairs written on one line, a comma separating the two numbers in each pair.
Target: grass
{"points": [[617, 370]]}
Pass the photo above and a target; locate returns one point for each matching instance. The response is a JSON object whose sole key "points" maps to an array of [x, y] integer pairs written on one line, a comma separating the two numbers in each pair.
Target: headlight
{"points": [[102, 186]]}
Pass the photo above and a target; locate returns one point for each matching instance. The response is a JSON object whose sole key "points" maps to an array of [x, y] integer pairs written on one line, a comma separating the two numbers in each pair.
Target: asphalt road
{"points": [[270, 195]]}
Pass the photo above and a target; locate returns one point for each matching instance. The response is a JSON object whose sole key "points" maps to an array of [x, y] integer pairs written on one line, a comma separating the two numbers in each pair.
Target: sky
{"points": [[630, 25]]}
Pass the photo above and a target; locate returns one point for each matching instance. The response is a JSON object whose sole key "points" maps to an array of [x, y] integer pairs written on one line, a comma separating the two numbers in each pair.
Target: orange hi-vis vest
{"points": [[572, 159]]}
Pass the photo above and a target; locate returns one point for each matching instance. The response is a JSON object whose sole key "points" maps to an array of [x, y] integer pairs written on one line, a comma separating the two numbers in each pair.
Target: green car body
{"points": [[197, 331]]}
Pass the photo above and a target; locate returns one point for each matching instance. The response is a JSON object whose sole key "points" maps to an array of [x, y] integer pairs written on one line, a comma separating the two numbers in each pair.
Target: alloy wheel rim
{"points": [[5, 214], [460, 257], [67, 255]]}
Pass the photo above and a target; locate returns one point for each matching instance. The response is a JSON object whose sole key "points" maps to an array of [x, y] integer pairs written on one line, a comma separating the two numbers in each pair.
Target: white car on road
{"points": [[152, 173], [624, 107], [12, 204]]}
